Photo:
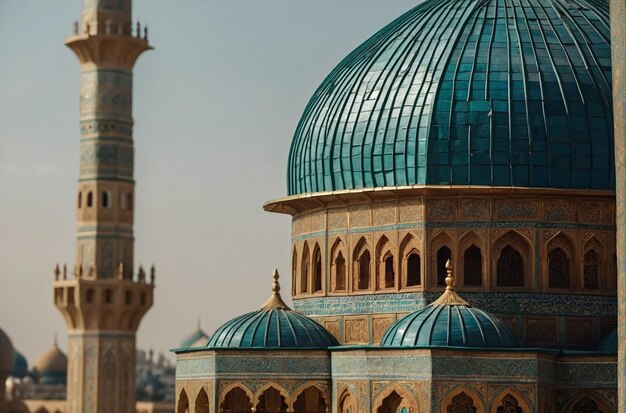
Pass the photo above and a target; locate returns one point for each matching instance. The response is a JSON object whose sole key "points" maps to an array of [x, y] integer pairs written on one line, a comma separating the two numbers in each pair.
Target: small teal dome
{"points": [[609, 342], [274, 325], [449, 322], [20, 365], [466, 93]]}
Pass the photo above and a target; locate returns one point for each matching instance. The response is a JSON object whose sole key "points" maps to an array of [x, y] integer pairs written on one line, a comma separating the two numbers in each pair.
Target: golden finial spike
{"points": [[449, 278], [276, 284], [449, 296], [275, 302]]}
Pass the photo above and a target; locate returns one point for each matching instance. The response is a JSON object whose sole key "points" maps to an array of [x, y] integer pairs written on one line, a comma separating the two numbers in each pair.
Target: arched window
{"points": [[590, 270], [310, 400], [364, 271], [304, 270], [129, 201], [413, 270], [461, 403], [89, 199], [271, 401], [391, 403], [443, 255], [346, 405], [202, 402], [509, 405], [317, 269], [587, 405], [510, 268], [473, 266], [108, 296], [80, 199], [183, 403], [390, 274], [558, 269], [236, 401], [106, 199], [340, 272]]}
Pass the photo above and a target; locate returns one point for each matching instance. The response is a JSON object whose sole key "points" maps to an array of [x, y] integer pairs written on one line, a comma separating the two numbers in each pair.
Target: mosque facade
{"points": [[451, 185]]}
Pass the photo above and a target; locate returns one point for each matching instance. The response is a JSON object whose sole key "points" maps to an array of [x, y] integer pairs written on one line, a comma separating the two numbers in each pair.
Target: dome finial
{"points": [[276, 284], [449, 278], [275, 302], [449, 296]]}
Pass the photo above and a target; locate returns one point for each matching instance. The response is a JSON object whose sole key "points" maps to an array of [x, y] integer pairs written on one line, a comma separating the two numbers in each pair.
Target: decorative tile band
{"points": [[497, 302], [455, 224]]}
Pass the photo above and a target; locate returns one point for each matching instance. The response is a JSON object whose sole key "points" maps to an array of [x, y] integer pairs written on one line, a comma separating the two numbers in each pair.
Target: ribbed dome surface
{"points": [[448, 326], [272, 328], [466, 93]]}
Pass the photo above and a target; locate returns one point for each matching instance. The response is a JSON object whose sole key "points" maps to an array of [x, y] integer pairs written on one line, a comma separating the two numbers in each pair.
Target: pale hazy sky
{"points": [[215, 107]]}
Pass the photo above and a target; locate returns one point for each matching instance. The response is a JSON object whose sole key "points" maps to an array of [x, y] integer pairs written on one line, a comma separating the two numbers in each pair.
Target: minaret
{"points": [[102, 301]]}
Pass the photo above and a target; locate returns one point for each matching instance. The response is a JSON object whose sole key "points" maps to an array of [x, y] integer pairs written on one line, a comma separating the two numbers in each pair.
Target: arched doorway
{"points": [[202, 402], [271, 401], [236, 401], [311, 400]]}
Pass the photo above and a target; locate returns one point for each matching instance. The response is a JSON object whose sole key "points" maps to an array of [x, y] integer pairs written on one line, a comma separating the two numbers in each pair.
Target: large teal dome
{"points": [[273, 326], [466, 92]]}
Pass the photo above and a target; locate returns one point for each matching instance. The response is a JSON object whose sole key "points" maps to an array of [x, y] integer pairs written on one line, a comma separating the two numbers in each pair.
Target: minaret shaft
{"points": [[103, 303]]}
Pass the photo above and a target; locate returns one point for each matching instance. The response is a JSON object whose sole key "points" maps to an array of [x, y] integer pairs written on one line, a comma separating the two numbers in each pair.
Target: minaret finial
{"points": [[275, 302], [449, 296], [56, 339], [198, 324]]}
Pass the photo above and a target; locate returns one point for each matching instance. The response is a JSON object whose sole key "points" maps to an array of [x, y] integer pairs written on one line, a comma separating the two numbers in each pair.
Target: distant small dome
{"points": [[274, 325], [449, 322], [609, 342], [6, 354], [52, 366], [196, 339], [20, 365]]}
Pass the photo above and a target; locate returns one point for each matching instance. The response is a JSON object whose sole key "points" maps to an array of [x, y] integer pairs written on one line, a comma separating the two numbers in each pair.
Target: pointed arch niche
{"points": [[338, 267], [593, 259], [441, 251], [310, 400], [589, 403], [511, 263], [304, 270], [395, 400], [236, 400], [472, 262], [202, 402], [362, 266], [182, 406], [347, 403], [462, 400], [385, 265], [271, 400], [510, 401], [410, 263], [560, 259], [317, 269]]}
